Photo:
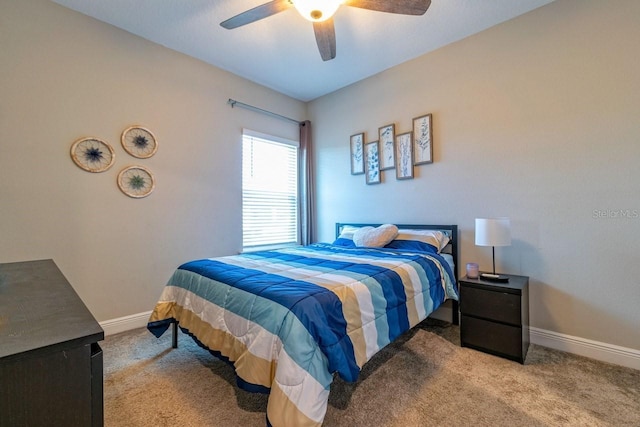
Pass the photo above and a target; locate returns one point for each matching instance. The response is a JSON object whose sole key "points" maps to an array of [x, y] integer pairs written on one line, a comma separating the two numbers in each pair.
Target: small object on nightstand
{"points": [[472, 270], [491, 277]]}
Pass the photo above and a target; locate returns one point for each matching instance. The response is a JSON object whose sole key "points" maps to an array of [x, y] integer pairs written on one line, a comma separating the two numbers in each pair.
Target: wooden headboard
{"points": [[452, 247]]}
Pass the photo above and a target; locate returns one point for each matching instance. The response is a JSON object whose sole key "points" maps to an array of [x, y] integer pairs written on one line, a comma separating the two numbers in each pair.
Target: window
{"points": [[269, 191]]}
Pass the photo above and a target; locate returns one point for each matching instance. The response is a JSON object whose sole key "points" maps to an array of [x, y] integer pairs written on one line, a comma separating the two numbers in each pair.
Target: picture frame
{"points": [[386, 138], [371, 154], [404, 155], [356, 143], [422, 140]]}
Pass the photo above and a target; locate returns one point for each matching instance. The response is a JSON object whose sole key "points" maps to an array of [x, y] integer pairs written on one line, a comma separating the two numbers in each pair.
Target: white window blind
{"points": [[269, 191]]}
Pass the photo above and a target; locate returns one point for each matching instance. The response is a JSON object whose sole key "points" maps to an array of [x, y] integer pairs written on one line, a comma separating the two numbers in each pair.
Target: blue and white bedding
{"points": [[289, 319]]}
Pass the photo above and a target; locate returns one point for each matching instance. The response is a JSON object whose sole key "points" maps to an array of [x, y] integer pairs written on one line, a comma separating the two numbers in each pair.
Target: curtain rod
{"points": [[234, 103]]}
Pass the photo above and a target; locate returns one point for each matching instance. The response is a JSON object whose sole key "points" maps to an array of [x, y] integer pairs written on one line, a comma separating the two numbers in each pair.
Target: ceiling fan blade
{"points": [[403, 7], [257, 13], [326, 39]]}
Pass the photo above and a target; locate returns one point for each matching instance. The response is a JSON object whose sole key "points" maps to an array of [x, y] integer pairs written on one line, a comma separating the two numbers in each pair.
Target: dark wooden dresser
{"points": [[50, 360], [495, 316]]}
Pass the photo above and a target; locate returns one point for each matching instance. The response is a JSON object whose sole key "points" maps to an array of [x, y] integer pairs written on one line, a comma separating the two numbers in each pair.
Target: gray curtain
{"points": [[307, 197]]}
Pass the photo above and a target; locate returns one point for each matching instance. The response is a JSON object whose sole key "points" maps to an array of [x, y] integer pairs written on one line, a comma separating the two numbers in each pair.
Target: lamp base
{"points": [[494, 277]]}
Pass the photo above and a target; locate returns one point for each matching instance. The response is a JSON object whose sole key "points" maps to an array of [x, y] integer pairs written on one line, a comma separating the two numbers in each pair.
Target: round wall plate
{"points": [[92, 154], [139, 142], [136, 181]]}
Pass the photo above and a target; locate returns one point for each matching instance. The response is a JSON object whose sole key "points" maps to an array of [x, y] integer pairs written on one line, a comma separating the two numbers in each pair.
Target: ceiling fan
{"points": [[321, 12]]}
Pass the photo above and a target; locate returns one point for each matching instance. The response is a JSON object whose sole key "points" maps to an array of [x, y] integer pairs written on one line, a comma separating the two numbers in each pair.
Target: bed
{"points": [[288, 320]]}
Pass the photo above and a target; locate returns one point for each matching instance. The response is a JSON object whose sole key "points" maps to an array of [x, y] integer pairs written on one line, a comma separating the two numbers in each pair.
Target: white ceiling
{"points": [[280, 52]]}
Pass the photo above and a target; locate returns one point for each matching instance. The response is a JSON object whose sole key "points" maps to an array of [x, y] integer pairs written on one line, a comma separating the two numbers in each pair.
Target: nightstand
{"points": [[495, 316]]}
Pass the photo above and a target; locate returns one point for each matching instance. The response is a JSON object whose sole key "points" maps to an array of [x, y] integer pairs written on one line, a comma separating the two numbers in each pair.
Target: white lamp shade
{"points": [[493, 232]]}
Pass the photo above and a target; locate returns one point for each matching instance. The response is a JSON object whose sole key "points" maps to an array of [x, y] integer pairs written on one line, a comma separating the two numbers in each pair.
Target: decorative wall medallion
{"points": [[139, 142], [92, 154], [136, 181]]}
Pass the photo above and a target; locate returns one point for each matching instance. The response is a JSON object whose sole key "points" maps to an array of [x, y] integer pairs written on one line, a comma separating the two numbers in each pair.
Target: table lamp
{"points": [[493, 232]]}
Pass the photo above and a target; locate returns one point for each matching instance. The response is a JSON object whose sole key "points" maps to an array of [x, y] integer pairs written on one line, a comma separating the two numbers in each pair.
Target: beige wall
{"points": [[64, 76], [535, 119]]}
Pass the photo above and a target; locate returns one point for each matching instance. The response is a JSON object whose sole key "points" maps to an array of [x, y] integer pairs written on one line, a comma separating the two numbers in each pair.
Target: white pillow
{"points": [[376, 237], [347, 232]]}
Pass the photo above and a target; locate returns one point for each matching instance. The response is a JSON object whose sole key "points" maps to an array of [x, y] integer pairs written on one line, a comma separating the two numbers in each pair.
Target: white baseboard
{"points": [[604, 352], [126, 323]]}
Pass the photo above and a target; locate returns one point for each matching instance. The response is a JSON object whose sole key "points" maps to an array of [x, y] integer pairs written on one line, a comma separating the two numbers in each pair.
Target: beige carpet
{"points": [[424, 379]]}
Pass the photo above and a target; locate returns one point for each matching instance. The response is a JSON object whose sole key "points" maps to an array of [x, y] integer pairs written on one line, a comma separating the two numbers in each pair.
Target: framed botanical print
{"points": [[422, 140], [372, 160], [404, 156], [357, 153], [387, 135]]}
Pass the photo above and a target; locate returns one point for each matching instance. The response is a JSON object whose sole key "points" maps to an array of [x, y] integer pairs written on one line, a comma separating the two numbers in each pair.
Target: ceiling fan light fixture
{"points": [[317, 10]]}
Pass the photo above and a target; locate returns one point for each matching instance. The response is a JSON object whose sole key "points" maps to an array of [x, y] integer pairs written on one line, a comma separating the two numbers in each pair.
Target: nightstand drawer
{"points": [[496, 338], [492, 305]]}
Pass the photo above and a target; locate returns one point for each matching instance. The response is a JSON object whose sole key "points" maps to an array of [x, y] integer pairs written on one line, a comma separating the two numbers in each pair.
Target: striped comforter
{"points": [[289, 319]]}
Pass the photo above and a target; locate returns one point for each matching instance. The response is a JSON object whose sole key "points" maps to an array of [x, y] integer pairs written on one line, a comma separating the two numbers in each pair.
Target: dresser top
{"points": [[40, 310]]}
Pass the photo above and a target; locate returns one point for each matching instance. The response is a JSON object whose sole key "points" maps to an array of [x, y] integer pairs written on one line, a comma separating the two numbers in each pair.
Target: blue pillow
{"points": [[412, 245], [347, 243]]}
